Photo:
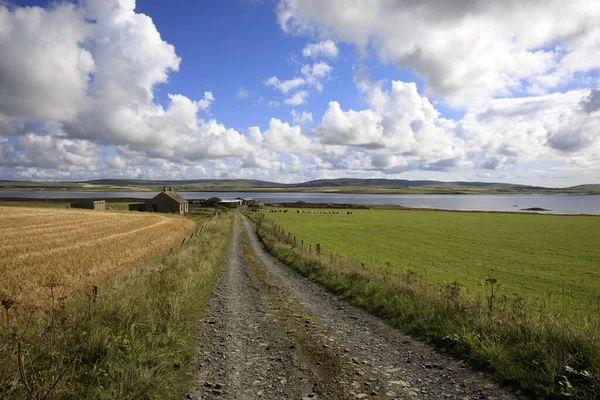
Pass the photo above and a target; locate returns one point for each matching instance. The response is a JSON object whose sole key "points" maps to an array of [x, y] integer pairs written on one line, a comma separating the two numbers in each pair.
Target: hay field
{"points": [[70, 249]]}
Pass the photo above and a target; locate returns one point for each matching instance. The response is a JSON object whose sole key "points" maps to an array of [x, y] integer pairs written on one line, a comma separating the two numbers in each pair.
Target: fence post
{"points": [[95, 293], [183, 241], [318, 249], [303, 245], [309, 248]]}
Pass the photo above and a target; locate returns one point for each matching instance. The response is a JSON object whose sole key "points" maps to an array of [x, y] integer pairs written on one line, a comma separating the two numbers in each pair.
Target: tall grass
{"points": [[538, 350], [133, 337]]}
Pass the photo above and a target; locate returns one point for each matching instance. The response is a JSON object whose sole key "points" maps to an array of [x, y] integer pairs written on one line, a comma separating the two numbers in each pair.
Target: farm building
{"points": [[137, 207], [245, 200], [167, 202], [231, 202], [250, 202], [90, 205], [256, 204]]}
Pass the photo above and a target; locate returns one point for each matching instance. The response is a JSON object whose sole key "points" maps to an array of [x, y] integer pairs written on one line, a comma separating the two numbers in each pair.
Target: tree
{"points": [[212, 202]]}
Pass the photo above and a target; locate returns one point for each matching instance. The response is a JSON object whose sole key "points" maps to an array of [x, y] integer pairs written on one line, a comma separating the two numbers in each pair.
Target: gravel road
{"points": [[274, 334]]}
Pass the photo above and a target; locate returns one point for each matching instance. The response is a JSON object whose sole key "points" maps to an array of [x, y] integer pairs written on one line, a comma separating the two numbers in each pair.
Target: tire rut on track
{"points": [[275, 334]]}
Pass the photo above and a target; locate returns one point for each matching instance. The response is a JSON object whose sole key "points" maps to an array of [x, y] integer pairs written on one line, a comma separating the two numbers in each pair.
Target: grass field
{"points": [[514, 294], [70, 249], [552, 260]]}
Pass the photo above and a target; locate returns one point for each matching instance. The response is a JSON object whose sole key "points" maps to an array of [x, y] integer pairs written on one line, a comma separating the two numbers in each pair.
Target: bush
{"points": [[212, 202]]}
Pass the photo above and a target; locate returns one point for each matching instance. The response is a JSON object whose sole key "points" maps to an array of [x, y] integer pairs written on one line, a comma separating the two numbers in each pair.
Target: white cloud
{"points": [[242, 93], [205, 102], [93, 83], [314, 73], [50, 152], [302, 118], [403, 131], [464, 48], [297, 99], [273, 103], [44, 72], [325, 48], [284, 86], [116, 162], [282, 137], [76, 78]]}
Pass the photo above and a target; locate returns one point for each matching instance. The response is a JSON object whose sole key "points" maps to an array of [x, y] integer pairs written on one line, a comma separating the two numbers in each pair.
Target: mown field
{"points": [[552, 260], [70, 249], [134, 335]]}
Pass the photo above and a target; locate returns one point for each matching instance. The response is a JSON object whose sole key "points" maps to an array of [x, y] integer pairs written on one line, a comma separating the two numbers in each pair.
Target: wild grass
{"points": [[535, 347], [132, 337], [77, 248]]}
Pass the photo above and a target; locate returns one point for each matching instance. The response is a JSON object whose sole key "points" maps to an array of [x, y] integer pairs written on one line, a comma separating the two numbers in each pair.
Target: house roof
{"points": [[174, 196], [246, 198], [230, 201]]}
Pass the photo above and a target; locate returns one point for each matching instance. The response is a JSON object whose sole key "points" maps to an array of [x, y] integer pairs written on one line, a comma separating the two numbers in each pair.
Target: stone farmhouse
{"points": [[168, 202]]}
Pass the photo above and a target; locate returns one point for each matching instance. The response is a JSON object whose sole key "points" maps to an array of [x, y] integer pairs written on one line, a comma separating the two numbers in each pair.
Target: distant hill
{"points": [[207, 182], [341, 185], [332, 184]]}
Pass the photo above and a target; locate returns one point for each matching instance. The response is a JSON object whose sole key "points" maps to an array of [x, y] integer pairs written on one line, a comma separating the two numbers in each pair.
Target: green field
{"points": [[548, 259]]}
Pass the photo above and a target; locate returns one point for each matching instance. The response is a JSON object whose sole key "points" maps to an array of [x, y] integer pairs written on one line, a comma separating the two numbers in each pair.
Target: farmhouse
{"points": [[250, 202], [168, 201], [90, 205]]}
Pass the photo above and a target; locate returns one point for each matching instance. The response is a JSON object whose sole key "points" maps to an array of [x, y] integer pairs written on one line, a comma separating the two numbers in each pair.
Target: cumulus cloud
{"points": [[592, 102], [50, 152], [284, 86], [463, 48], [314, 73], [403, 131], [88, 73], [325, 48], [302, 118], [44, 72], [78, 84], [297, 98]]}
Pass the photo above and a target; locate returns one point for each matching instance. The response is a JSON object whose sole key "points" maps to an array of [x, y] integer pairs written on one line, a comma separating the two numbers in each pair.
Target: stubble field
{"points": [[69, 249]]}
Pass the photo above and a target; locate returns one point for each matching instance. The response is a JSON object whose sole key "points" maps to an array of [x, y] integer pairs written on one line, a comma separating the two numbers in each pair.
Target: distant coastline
{"points": [[342, 186]]}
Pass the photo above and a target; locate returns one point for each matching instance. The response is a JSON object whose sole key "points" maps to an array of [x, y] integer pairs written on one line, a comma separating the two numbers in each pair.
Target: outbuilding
{"points": [[90, 205], [168, 202], [231, 202], [245, 200]]}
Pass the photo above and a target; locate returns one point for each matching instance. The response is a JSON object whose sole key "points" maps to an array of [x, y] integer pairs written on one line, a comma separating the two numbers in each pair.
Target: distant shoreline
{"points": [[328, 190]]}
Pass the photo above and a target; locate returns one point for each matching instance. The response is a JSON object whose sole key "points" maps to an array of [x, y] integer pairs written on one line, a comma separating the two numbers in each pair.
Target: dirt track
{"points": [[275, 334]]}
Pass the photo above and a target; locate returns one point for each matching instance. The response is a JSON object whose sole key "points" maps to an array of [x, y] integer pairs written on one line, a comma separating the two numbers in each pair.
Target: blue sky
{"points": [[200, 89]]}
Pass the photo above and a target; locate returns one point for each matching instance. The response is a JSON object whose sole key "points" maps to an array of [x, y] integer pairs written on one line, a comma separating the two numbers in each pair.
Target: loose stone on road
{"points": [[275, 334]]}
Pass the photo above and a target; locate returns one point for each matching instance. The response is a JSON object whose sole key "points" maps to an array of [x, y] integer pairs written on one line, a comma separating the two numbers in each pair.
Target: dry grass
{"points": [[70, 249]]}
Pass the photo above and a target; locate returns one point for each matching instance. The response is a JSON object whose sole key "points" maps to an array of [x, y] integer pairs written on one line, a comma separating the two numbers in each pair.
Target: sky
{"points": [[295, 90]]}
